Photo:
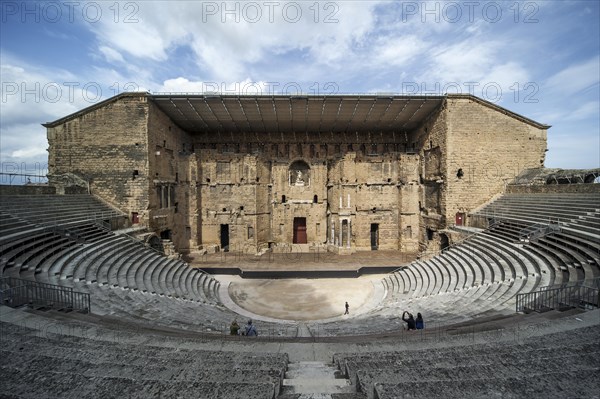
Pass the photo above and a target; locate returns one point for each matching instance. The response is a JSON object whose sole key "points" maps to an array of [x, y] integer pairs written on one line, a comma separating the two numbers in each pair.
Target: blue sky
{"points": [[537, 58]]}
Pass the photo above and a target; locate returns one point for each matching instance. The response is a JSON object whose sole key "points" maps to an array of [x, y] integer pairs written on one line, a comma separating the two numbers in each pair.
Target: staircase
{"points": [[169, 249], [316, 380]]}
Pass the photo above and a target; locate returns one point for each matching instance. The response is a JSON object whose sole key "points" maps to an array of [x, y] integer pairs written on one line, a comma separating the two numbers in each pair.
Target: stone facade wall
{"points": [[108, 148], [367, 177], [410, 199], [170, 150], [432, 141], [490, 148], [349, 191], [233, 190]]}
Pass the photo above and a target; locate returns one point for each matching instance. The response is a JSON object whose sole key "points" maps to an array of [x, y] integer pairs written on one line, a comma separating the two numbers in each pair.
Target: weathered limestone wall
{"points": [[107, 147], [305, 199], [168, 160], [410, 199], [490, 147], [393, 190], [378, 194], [432, 141], [363, 168], [234, 191]]}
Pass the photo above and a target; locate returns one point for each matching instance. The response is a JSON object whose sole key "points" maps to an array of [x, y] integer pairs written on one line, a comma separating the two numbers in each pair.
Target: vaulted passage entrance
{"points": [[300, 231], [225, 237], [374, 236]]}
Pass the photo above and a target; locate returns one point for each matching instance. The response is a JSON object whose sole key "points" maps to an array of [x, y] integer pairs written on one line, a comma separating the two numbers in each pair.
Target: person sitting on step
{"points": [[250, 330]]}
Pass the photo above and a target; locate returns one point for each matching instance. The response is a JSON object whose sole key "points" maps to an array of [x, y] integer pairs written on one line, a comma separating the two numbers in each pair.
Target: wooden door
{"points": [[300, 231]]}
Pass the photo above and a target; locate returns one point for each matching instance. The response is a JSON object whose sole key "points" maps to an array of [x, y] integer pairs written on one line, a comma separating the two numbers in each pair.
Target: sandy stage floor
{"points": [[302, 299]]}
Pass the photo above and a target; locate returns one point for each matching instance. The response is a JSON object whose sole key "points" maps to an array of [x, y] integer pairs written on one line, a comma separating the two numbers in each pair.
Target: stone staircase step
{"points": [[315, 379]]}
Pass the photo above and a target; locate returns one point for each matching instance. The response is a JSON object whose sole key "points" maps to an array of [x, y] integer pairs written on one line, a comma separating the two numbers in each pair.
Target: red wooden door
{"points": [[460, 218], [300, 231]]}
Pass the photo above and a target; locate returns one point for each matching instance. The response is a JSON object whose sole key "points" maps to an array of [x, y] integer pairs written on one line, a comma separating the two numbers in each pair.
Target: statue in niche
{"points": [[299, 178], [299, 174]]}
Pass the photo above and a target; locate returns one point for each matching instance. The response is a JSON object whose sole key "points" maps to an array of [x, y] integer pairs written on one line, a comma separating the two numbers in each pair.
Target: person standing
{"points": [[419, 323], [410, 321], [347, 309]]}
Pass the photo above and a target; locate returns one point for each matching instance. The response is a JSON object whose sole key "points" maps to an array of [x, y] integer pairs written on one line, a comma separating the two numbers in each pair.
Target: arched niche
{"points": [[299, 174]]}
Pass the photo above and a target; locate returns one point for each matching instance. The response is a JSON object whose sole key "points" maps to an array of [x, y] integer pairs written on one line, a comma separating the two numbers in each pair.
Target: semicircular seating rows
{"points": [[554, 366], [46, 242], [482, 275], [48, 361], [127, 347], [478, 277]]}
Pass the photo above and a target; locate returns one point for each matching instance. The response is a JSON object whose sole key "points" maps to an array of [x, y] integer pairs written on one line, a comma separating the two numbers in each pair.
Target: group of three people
{"points": [[411, 322]]}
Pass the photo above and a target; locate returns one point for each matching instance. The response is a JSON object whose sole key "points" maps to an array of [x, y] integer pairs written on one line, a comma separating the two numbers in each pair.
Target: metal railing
{"points": [[558, 298], [593, 283], [23, 178], [15, 292], [538, 230]]}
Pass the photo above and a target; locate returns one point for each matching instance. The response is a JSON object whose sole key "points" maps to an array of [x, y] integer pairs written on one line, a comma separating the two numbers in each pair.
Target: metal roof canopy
{"points": [[269, 114]]}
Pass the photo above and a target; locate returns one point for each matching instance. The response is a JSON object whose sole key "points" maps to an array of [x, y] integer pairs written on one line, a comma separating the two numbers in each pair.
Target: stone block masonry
{"points": [[213, 176]]}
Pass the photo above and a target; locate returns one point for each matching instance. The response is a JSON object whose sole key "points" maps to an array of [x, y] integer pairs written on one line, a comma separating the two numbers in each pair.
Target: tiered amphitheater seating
{"points": [[577, 214], [56, 365], [124, 277], [572, 242], [131, 284], [482, 275], [563, 364], [57, 210]]}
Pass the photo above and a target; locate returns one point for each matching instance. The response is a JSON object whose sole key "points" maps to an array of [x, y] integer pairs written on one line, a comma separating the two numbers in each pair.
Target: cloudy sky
{"points": [[537, 58]]}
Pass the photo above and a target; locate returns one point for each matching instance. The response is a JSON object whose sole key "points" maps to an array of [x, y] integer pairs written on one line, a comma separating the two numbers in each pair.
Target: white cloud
{"points": [[396, 50], [465, 61], [247, 86], [32, 152], [111, 55], [29, 96], [225, 48], [32, 95], [575, 78], [583, 111], [179, 46], [23, 146]]}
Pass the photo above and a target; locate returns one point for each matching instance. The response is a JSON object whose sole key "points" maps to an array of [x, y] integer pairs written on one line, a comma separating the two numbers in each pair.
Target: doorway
{"points": [[225, 237], [299, 231], [374, 236], [460, 219], [444, 241]]}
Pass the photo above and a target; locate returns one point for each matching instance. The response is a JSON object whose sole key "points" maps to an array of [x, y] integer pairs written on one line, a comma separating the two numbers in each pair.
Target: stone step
{"points": [[323, 396], [303, 330], [316, 386], [314, 378]]}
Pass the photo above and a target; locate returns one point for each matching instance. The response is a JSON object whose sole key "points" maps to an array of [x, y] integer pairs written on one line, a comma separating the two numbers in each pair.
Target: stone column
{"points": [[332, 236], [349, 230]]}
